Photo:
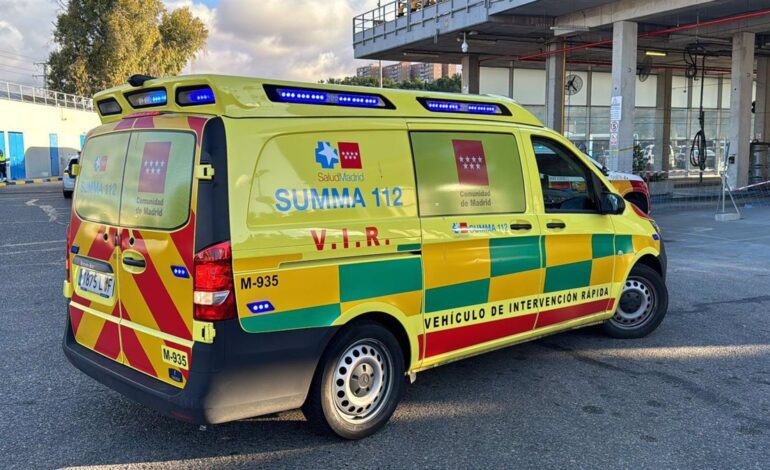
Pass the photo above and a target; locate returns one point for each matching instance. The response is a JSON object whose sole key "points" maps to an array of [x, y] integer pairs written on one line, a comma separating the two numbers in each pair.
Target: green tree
{"points": [[103, 42], [451, 84]]}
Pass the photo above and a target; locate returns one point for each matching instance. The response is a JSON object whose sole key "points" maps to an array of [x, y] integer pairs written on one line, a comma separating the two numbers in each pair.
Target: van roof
{"points": [[240, 97]]}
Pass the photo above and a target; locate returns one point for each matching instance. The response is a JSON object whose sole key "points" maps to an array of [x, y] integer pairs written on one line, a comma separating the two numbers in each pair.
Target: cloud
{"points": [[25, 29], [306, 40]]}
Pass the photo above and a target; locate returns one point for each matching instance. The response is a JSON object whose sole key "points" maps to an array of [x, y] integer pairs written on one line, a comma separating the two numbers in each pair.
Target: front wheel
{"points": [[358, 384], [67, 194], [642, 306]]}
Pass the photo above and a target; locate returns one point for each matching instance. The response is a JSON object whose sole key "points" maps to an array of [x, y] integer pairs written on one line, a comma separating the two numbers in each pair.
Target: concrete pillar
{"points": [[663, 121], [761, 117], [471, 74], [740, 108], [624, 42], [554, 89]]}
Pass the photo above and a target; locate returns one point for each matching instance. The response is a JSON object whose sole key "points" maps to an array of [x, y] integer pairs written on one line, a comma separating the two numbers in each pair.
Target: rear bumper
{"points": [[240, 375]]}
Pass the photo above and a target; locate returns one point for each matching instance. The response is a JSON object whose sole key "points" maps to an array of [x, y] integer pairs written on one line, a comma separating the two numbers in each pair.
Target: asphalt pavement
{"points": [[694, 394]]}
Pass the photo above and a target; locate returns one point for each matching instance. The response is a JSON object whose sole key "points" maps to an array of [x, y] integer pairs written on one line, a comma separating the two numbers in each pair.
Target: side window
{"points": [[565, 180], [467, 173]]}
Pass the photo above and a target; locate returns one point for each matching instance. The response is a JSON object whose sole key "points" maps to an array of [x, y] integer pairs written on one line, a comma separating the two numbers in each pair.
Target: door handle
{"points": [[524, 226], [135, 263], [556, 225]]}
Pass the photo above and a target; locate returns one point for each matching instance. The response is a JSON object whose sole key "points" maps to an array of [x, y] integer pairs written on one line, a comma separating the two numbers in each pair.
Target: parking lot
{"points": [[696, 393]]}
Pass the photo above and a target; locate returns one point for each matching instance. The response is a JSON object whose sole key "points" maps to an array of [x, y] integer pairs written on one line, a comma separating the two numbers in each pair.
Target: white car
{"points": [[68, 181]]}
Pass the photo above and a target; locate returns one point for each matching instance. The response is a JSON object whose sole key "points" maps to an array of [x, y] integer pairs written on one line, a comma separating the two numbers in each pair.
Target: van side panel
{"points": [[323, 220]]}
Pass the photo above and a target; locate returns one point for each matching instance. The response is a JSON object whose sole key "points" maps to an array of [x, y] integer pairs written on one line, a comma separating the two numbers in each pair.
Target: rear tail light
{"points": [[214, 295]]}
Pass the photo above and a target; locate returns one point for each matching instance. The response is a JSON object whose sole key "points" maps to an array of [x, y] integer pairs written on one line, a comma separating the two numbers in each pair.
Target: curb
{"points": [[29, 181]]}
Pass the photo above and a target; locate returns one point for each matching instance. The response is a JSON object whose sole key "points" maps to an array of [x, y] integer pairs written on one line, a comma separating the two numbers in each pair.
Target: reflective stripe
{"points": [[135, 326]]}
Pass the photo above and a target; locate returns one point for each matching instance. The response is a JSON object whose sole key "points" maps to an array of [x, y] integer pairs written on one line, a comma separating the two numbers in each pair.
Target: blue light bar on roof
{"points": [[147, 98], [326, 97], [464, 107], [300, 96], [197, 95]]}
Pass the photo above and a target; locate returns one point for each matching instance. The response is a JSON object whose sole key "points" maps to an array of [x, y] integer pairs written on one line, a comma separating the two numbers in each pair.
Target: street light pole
{"points": [[379, 62]]}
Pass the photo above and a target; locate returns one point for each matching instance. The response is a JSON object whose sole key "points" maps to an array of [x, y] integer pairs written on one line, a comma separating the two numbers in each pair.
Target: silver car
{"points": [[68, 180]]}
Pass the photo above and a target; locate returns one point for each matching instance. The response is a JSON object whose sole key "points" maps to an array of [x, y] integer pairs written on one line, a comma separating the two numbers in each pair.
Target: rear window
{"points": [[137, 179]]}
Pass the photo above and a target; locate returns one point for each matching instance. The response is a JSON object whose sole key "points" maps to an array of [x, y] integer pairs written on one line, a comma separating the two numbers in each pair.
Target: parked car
{"points": [[632, 187], [68, 179]]}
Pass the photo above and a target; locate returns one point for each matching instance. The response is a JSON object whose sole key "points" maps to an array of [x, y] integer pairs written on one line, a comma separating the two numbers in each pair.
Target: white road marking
{"points": [[31, 243], [58, 248], [49, 210]]}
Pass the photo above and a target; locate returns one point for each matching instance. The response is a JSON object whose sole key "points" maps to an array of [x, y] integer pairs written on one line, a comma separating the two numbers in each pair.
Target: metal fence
{"points": [[31, 94], [419, 10]]}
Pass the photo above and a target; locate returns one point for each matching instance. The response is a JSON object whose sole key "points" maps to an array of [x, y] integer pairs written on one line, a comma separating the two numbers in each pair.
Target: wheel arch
{"points": [[652, 261], [404, 328]]}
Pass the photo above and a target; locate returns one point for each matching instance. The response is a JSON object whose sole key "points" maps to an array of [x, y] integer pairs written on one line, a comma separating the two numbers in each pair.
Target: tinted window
{"points": [[158, 179], [137, 179], [467, 173], [101, 178], [565, 180]]}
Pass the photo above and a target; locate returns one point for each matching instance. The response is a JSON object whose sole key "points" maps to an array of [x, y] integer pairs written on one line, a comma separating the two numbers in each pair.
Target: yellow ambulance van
{"points": [[240, 246]]}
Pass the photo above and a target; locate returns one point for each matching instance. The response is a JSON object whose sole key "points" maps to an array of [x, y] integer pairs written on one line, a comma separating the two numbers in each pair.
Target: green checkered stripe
{"points": [[357, 281], [506, 256], [520, 254]]}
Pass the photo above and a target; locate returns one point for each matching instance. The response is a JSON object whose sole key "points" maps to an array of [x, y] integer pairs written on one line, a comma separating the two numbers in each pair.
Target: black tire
{"points": [[67, 194], [645, 286], [357, 341]]}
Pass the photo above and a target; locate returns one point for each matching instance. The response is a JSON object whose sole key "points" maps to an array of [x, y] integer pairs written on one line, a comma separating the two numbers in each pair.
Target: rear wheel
{"points": [[642, 306], [358, 384], [67, 194]]}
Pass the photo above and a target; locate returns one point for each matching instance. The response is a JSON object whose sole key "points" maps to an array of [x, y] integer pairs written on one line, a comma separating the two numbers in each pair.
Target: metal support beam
{"points": [[761, 116], [471, 72], [624, 35], [620, 10], [742, 78], [554, 91], [663, 121]]}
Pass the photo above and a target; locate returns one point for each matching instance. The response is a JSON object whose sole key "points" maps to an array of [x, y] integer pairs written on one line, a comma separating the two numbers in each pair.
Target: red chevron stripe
{"points": [[108, 342], [125, 124], [196, 124], [135, 353], [144, 122], [183, 240], [75, 316], [156, 297]]}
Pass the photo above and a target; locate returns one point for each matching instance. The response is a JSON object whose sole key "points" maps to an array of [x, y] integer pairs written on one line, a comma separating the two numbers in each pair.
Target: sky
{"points": [[306, 40]]}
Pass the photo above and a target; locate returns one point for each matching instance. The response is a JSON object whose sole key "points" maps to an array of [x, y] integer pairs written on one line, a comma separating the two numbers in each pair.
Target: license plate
{"points": [[101, 284]]}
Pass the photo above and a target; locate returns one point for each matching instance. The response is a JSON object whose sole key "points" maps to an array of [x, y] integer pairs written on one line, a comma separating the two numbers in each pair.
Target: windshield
{"points": [[139, 179]]}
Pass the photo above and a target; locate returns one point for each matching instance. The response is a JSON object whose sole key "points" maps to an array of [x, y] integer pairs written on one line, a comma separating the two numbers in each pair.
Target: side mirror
{"points": [[612, 203], [75, 170]]}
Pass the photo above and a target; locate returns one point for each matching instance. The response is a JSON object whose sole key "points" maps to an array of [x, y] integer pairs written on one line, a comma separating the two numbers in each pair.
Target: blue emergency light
{"points": [[463, 107], [195, 95], [147, 98], [281, 94]]}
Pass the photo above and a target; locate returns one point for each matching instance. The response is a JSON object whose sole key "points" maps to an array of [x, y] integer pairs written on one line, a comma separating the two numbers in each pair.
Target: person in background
{"points": [[3, 174]]}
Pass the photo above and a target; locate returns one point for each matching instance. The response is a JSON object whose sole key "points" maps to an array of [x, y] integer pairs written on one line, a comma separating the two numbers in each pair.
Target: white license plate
{"points": [[101, 284]]}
